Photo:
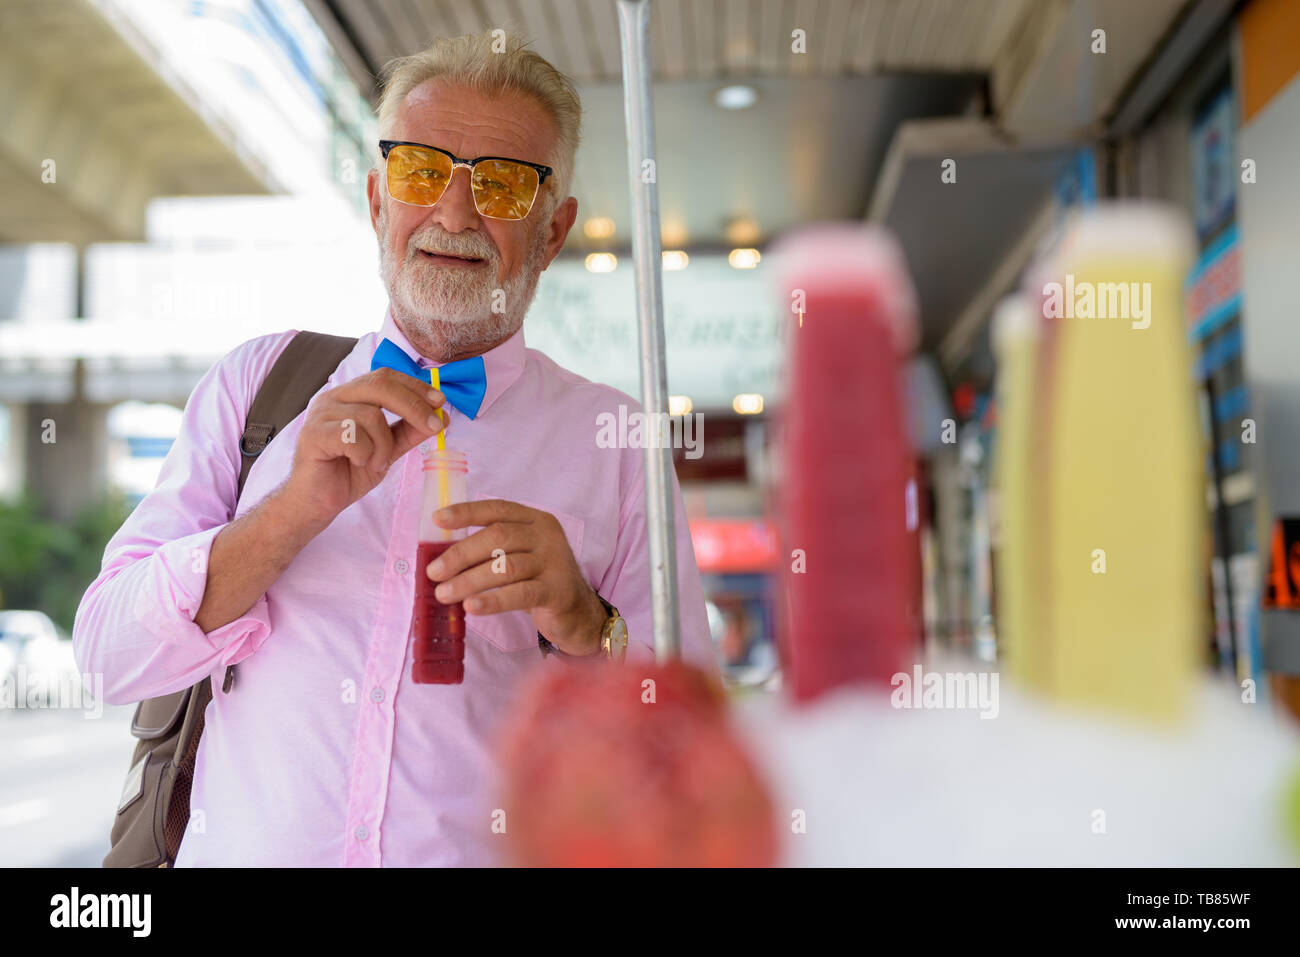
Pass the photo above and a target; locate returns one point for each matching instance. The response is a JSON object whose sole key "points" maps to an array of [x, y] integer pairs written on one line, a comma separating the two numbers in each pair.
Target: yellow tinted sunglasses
{"points": [[503, 188]]}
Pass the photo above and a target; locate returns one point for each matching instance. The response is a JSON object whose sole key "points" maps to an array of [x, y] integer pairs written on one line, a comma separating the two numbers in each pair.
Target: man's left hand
{"points": [[519, 560]]}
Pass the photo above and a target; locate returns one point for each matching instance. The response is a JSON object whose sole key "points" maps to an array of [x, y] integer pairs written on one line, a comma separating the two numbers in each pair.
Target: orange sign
{"points": [[734, 545], [1282, 587]]}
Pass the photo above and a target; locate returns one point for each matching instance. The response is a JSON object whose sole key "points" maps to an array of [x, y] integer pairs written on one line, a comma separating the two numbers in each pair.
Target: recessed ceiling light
{"points": [[675, 259], [743, 258], [737, 96]]}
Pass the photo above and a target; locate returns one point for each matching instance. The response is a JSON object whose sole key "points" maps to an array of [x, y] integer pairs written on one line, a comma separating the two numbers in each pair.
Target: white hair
{"points": [[495, 64]]}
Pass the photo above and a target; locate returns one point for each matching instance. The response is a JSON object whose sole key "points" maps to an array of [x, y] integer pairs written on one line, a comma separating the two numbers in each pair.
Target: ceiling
{"points": [[729, 178], [691, 39], [958, 234]]}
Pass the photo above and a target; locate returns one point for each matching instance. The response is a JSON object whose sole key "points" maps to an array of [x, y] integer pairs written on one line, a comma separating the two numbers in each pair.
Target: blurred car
{"points": [[30, 640], [757, 665], [717, 622], [8, 661]]}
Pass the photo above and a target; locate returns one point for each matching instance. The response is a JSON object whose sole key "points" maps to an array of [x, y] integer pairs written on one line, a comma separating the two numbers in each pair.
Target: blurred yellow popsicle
{"points": [[1019, 588], [1125, 500]]}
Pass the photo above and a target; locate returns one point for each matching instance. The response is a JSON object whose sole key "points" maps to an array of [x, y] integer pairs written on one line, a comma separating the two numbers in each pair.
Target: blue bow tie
{"points": [[463, 382]]}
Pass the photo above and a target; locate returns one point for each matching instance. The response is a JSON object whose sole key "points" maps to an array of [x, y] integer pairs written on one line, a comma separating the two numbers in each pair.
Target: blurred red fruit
{"points": [[598, 776]]}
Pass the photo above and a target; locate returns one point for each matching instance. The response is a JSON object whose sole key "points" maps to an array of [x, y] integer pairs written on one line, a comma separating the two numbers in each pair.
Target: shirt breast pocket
{"points": [[513, 631]]}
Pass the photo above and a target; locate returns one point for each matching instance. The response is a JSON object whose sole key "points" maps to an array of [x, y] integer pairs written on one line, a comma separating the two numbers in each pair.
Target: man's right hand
{"points": [[346, 445]]}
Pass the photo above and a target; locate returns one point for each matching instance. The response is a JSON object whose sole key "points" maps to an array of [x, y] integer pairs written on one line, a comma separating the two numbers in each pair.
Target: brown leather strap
{"points": [[177, 819], [306, 364], [302, 369]]}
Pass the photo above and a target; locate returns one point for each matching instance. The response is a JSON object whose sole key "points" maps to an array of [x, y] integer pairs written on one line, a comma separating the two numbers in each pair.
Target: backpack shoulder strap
{"points": [[303, 367], [306, 364]]}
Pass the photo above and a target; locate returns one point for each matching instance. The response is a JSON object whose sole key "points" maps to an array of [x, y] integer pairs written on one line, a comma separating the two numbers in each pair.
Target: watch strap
{"points": [[546, 648]]}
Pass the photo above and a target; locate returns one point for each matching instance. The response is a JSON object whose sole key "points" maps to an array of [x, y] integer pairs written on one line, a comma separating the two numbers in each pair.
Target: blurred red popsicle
{"points": [[844, 460]]}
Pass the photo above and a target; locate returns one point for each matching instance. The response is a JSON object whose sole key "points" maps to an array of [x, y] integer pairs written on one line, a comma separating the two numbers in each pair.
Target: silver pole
{"points": [[633, 21]]}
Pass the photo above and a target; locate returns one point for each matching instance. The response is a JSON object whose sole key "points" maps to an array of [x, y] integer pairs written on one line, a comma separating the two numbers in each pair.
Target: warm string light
{"points": [[743, 258], [675, 259], [602, 262]]}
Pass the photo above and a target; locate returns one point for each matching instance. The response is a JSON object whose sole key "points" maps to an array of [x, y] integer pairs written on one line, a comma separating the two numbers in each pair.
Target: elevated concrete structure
{"points": [[90, 132]]}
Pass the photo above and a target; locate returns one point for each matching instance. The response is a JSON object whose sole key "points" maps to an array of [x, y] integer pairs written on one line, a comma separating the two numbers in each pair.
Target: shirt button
{"points": [[424, 448], [362, 832], [402, 566], [377, 695]]}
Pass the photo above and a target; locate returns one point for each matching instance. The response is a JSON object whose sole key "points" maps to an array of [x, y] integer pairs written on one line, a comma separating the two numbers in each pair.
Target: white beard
{"points": [[448, 311]]}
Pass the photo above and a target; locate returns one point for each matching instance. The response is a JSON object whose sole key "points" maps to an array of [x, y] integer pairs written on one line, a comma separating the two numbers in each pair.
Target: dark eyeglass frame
{"points": [[386, 147]]}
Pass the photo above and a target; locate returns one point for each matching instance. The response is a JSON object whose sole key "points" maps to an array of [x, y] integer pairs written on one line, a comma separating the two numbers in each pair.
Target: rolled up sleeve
{"points": [[135, 624], [170, 596]]}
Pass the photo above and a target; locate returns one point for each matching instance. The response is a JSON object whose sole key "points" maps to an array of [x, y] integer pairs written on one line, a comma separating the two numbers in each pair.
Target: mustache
{"points": [[471, 244]]}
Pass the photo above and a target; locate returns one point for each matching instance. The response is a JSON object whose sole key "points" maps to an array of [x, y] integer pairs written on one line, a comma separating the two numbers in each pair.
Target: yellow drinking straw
{"points": [[436, 382], [444, 494]]}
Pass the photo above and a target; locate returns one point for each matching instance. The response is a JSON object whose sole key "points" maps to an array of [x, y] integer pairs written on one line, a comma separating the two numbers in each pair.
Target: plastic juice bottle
{"points": [[438, 629]]}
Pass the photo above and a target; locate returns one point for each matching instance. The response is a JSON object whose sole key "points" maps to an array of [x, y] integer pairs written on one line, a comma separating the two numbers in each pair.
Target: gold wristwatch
{"points": [[613, 639]]}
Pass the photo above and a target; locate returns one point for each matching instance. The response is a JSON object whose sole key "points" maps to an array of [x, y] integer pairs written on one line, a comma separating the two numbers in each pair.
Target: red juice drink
{"points": [[438, 630]]}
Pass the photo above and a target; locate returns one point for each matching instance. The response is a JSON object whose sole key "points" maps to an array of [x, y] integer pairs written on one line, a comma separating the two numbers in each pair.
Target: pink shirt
{"points": [[325, 753]]}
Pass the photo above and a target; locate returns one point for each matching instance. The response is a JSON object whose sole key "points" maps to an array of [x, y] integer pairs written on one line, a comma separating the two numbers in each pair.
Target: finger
{"points": [[483, 512], [383, 382], [337, 439], [518, 596], [322, 438], [418, 383], [403, 395], [359, 418], [492, 574], [499, 538], [407, 437]]}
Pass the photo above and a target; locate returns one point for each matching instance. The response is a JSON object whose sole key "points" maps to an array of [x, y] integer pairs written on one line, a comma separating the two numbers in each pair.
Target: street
{"points": [[60, 776]]}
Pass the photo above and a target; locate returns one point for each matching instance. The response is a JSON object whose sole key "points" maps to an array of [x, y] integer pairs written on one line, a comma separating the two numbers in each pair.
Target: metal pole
{"points": [[633, 21]]}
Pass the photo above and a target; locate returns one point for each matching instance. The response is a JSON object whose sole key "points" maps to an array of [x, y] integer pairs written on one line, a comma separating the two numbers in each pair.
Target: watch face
{"points": [[616, 638]]}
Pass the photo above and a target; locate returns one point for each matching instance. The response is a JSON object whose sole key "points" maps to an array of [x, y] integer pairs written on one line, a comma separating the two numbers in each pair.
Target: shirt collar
{"points": [[502, 364]]}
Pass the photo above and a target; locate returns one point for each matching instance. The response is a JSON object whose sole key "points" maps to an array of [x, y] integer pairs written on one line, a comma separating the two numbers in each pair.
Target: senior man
{"points": [[325, 753]]}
